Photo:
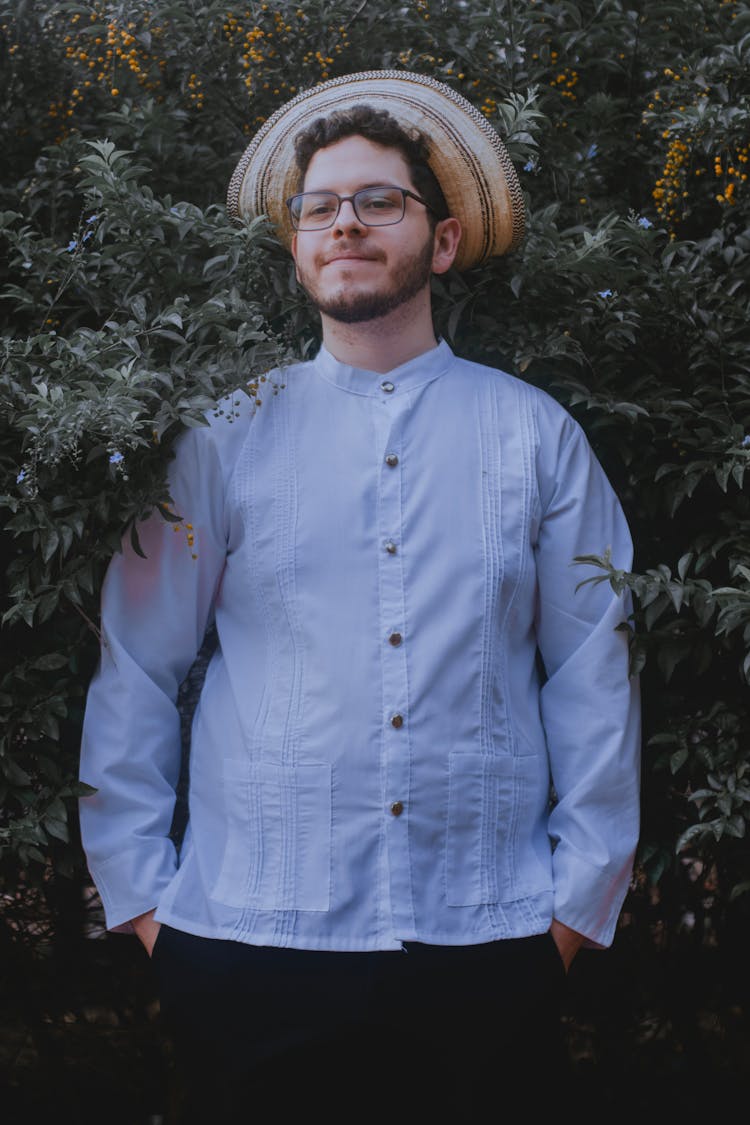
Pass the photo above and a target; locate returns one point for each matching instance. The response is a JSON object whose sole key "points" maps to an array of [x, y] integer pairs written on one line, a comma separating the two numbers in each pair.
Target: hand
{"points": [[146, 929], [568, 941]]}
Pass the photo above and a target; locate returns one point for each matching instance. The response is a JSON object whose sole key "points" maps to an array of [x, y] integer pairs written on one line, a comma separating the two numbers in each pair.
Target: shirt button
{"points": [[397, 808], [387, 386], [395, 639], [390, 547], [397, 721], [391, 460]]}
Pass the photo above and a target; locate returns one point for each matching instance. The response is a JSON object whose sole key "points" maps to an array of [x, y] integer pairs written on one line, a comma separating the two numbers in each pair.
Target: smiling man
{"points": [[363, 270], [414, 764]]}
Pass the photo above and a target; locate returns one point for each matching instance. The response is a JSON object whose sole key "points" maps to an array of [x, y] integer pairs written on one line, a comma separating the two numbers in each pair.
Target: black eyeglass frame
{"points": [[405, 192]]}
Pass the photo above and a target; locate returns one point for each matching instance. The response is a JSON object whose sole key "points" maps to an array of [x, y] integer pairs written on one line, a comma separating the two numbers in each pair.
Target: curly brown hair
{"points": [[380, 127]]}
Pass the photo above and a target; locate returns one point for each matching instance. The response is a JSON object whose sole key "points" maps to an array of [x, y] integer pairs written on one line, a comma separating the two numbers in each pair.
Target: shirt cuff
{"points": [[131, 883]]}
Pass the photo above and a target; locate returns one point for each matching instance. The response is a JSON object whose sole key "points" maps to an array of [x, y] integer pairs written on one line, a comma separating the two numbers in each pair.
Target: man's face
{"points": [[352, 272]]}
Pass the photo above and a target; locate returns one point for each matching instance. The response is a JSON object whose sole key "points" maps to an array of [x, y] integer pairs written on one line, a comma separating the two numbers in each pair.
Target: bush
{"points": [[130, 305]]}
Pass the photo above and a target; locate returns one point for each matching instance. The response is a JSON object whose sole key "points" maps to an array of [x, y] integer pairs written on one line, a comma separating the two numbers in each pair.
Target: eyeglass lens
{"points": [[373, 206]]}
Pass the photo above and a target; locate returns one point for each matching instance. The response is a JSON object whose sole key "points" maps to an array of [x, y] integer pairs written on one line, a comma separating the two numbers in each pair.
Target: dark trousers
{"points": [[446, 1032]]}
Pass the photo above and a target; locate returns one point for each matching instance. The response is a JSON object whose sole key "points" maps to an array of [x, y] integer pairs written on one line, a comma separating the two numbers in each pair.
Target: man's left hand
{"points": [[568, 941]]}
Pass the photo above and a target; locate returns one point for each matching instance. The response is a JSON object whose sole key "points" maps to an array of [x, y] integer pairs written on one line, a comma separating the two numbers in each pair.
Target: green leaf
{"points": [[135, 541], [57, 828], [678, 759], [684, 563], [50, 542], [50, 661], [14, 775]]}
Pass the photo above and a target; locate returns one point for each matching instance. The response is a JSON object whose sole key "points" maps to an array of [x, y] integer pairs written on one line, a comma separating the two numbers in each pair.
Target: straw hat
{"points": [[467, 156]]}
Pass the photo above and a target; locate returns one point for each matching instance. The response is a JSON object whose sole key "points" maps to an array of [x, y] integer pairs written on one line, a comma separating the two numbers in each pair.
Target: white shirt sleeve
{"points": [[589, 704], [155, 611]]}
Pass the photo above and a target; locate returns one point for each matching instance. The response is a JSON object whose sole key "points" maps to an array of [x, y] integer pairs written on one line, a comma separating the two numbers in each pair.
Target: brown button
{"points": [[397, 721], [387, 386], [395, 639], [397, 808], [391, 460], [390, 547]]}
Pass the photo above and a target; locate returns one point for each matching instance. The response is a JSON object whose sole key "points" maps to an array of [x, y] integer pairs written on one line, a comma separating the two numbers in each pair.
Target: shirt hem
{"points": [[339, 944]]}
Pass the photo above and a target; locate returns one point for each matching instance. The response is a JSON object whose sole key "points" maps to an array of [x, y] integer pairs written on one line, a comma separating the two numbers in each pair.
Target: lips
{"points": [[350, 253], [350, 257]]}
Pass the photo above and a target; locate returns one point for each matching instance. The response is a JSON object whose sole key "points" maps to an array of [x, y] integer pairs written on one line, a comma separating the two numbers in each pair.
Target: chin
{"points": [[363, 307], [356, 310]]}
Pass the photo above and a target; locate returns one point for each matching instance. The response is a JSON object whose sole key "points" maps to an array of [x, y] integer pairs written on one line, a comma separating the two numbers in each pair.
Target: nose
{"points": [[347, 217]]}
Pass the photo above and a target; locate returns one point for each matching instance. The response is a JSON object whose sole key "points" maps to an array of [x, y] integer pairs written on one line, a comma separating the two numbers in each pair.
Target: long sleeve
{"points": [[153, 619], [589, 705]]}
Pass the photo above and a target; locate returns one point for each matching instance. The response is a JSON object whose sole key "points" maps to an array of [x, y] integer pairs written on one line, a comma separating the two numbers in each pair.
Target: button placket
{"points": [[391, 586], [394, 643]]}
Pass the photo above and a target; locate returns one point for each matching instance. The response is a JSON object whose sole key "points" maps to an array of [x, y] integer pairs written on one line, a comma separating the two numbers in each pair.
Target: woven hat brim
{"points": [[467, 156]]}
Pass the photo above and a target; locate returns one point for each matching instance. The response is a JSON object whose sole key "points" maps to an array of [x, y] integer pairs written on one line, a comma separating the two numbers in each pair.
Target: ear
{"points": [[447, 237]]}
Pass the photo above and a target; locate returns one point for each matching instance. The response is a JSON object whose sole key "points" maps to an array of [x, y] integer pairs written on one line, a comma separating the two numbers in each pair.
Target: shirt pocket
{"points": [[489, 853], [277, 854]]}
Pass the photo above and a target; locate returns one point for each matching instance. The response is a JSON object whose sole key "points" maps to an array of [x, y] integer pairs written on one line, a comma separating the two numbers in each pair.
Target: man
{"points": [[378, 763]]}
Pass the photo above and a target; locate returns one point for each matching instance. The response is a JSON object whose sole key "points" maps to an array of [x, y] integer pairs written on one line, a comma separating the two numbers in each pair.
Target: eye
{"points": [[316, 208], [380, 201]]}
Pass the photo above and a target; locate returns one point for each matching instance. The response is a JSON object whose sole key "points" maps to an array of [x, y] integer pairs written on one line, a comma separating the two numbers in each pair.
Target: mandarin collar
{"points": [[407, 377]]}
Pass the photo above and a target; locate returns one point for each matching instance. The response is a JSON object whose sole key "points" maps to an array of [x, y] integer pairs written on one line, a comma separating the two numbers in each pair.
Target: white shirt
{"points": [[372, 753]]}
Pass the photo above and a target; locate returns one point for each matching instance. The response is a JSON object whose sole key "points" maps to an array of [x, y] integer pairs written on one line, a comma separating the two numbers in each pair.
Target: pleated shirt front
{"points": [[414, 726]]}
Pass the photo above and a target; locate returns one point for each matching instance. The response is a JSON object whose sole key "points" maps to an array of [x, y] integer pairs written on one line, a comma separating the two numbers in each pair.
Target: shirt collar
{"points": [[415, 373]]}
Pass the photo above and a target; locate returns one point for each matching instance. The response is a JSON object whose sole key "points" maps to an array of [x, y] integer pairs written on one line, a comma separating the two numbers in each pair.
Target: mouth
{"points": [[349, 256]]}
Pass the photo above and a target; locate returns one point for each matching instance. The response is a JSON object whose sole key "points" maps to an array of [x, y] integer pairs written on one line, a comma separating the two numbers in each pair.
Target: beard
{"points": [[357, 307]]}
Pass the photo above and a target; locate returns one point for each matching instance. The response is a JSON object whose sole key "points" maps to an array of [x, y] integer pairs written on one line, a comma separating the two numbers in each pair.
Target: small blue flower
{"points": [[746, 441], [604, 293], [92, 218], [644, 222], [592, 151], [529, 166], [21, 477], [116, 458], [72, 245], [87, 235]]}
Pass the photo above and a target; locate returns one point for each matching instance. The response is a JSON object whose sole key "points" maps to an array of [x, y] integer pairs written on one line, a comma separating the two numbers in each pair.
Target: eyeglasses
{"points": [[380, 206]]}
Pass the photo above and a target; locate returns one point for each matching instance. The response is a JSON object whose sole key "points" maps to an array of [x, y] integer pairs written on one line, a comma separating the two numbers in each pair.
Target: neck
{"points": [[386, 342]]}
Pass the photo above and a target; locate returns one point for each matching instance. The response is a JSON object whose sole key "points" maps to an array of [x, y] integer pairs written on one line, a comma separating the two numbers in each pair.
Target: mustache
{"points": [[344, 251]]}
